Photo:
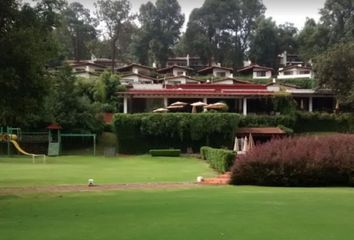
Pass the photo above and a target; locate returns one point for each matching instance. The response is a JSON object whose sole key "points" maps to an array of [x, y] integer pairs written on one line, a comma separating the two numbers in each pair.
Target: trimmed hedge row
{"points": [[324, 122], [165, 152], [219, 159], [267, 121], [137, 133], [302, 161]]}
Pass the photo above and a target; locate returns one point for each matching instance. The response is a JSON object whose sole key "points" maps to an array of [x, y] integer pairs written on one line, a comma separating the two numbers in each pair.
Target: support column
{"points": [[125, 105], [245, 106], [205, 100], [302, 104], [311, 104], [165, 102]]}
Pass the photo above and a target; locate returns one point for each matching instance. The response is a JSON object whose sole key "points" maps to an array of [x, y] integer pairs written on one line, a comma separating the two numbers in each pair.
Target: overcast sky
{"points": [[294, 11]]}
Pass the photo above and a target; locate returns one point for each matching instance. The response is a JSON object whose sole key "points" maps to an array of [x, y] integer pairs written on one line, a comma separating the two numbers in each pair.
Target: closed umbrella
{"points": [[245, 145], [236, 146], [250, 142]]}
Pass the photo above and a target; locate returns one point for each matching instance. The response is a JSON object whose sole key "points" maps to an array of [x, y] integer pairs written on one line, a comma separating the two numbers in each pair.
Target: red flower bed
{"points": [[301, 161]]}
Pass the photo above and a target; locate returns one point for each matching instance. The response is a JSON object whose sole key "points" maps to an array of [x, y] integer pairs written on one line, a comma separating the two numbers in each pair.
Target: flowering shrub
{"points": [[301, 161]]}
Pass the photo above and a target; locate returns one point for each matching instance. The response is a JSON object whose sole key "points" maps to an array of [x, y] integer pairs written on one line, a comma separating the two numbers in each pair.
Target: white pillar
{"points": [[165, 102], [245, 106], [311, 104], [125, 104], [205, 100]]}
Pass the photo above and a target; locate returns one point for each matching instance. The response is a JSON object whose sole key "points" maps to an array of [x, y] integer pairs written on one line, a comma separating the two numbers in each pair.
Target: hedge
{"points": [[268, 121], [324, 122], [302, 161], [219, 159], [137, 133], [165, 152]]}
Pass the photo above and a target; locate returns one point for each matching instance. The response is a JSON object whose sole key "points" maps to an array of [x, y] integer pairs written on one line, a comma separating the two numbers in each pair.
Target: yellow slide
{"points": [[17, 146]]}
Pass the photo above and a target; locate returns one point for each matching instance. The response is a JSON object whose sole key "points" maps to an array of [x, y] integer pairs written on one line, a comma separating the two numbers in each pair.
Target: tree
{"points": [[68, 107], [224, 29], [288, 37], [338, 17], [313, 39], [334, 69], [264, 43], [77, 31], [160, 31], [116, 15], [106, 89], [26, 46]]}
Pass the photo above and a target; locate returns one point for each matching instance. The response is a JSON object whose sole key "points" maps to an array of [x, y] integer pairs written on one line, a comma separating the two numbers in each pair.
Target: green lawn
{"points": [[19, 171], [206, 213]]}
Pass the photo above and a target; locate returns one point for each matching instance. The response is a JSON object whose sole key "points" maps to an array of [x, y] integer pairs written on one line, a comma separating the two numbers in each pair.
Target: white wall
{"points": [[267, 76], [217, 71], [176, 70], [295, 74], [141, 86], [226, 81]]}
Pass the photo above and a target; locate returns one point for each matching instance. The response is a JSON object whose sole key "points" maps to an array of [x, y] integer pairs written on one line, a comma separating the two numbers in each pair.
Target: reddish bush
{"points": [[301, 161]]}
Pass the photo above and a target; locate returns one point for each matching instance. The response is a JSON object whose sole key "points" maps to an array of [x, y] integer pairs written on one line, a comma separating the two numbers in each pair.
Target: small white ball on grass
{"points": [[200, 179]]}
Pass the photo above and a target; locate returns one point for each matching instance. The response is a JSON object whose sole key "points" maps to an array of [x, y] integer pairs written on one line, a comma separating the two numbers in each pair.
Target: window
{"points": [[180, 73], [288, 73], [221, 74], [305, 72], [261, 74]]}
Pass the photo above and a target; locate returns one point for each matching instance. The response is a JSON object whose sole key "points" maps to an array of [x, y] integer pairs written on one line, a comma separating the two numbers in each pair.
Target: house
{"points": [[295, 71], [256, 72], [174, 71], [217, 72], [135, 78], [181, 79], [136, 74], [136, 69], [229, 81], [286, 59], [86, 69]]}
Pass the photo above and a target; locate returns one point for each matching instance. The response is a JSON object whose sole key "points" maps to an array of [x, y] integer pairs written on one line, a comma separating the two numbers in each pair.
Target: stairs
{"points": [[223, 179]]}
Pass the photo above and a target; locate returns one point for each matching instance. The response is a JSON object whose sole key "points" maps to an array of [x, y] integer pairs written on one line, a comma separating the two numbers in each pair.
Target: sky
{"points": [[282, 11]]}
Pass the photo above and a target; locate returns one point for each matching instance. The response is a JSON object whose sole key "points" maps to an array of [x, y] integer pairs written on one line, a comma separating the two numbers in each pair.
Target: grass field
{"points": [[205, 213], [19, 171], [224, 212]]}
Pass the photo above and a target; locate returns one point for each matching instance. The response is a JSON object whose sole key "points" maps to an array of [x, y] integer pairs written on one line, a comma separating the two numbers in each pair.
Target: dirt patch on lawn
{"points": [[97, 188]]}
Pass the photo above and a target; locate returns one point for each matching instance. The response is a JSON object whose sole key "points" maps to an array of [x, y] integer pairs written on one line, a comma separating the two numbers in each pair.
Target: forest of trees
{"points": [[34, 38]]}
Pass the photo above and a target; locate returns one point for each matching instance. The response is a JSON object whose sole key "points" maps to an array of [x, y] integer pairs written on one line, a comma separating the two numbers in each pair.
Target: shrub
{"points": [[165, 152], [324, 122], [219, 159], [137, 133], [302, 161], [305, 83], [267, 121]]}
